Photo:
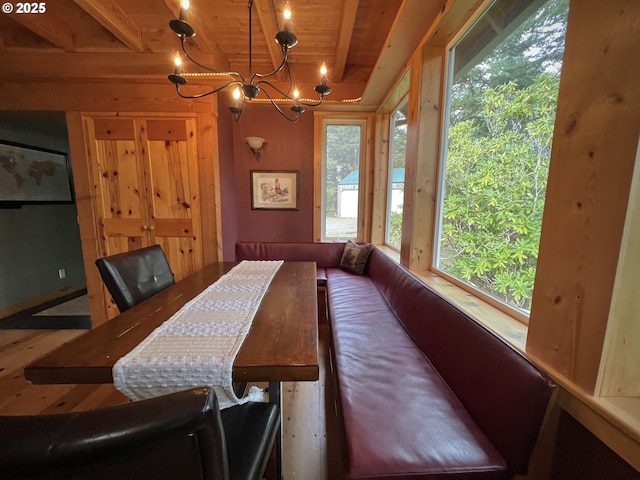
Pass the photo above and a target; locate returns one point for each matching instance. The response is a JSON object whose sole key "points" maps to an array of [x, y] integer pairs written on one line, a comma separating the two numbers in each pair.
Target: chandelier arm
{"points": [[205, 94], [285, 54], [275, 105], [271, 85], [250, 6], [289, 76], [237, 76]]}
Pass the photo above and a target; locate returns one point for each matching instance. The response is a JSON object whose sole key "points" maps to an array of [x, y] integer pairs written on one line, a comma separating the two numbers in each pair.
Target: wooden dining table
{"points": [[282, 344]]}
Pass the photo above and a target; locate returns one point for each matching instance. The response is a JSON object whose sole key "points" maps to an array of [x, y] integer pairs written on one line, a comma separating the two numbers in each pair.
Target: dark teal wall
{"points": [[37, 240]]}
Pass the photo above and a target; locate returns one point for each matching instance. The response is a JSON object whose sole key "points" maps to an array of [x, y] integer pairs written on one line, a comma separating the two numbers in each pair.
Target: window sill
{"points": [[389, 252]]}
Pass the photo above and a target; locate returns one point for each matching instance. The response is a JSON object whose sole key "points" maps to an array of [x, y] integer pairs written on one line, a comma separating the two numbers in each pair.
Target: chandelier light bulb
{"points": [[323, 70], [176, 78], [184, 6], [296, 94], [287, 11], [236, 93], [177, 62]]}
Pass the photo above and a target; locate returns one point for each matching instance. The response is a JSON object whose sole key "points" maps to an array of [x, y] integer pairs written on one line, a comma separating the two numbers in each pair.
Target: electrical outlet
{"points": [[62, 273]]}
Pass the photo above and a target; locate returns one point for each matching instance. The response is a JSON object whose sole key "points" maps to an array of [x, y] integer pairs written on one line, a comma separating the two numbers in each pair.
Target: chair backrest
{"points": [[175, 436], [182, 435], [134, 276]]}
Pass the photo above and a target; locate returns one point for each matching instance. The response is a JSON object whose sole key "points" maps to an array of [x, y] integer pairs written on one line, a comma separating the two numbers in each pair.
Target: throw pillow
{"points": [[354, 257]]}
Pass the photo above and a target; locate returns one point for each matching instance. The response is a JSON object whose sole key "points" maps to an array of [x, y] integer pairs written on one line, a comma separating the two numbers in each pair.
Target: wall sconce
{"points": [[256, 144]]}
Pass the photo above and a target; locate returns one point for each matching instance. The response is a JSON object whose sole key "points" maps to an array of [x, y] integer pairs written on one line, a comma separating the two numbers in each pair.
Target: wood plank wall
{"points": [[425, 105], [620, 371], [592, 160]]}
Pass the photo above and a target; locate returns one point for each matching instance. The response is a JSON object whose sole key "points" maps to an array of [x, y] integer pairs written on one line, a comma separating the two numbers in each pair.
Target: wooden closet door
{"points": [[171, 160], [145, 173], [120, 196]]}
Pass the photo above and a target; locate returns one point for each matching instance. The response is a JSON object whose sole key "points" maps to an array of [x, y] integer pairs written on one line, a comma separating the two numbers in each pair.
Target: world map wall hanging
{"points": [[32, 175]]}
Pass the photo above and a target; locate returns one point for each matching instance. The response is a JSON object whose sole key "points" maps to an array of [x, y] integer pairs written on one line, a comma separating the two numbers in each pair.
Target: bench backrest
{"points": [[504, 392], [325, 254]]}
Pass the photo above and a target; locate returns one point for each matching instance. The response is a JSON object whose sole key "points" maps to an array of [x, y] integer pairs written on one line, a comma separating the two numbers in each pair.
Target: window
{"points": [[341, 179], [395, 184], [503, 84]]}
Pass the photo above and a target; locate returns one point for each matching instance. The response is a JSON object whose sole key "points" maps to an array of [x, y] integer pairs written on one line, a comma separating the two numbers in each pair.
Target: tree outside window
{"points": [[501, 112], [395, 187], [341, 181]]}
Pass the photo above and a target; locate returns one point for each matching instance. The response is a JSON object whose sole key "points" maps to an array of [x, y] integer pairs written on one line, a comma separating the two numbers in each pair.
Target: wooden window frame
{"points": [[321, 121]]}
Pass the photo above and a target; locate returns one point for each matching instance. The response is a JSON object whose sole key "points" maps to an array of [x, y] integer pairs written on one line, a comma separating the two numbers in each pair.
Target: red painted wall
{"points": [[288, 147], [228, 213]]}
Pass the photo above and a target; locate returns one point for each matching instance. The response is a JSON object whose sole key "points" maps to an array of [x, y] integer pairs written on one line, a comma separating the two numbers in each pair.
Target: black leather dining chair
{"points": [[178, 436], [134, 276]]}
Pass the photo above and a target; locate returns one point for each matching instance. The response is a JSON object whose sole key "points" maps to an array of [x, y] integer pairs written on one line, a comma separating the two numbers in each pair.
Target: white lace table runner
{"points": [[198, 344]]}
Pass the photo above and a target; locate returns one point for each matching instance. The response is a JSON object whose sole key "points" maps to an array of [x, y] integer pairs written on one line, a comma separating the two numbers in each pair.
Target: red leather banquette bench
{"points": [[425, 391]]}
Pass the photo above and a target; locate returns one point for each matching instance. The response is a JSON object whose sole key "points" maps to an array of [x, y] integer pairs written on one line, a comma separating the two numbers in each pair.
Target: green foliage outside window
{"points": [[499, 145], [395, 229], [495, 190]]}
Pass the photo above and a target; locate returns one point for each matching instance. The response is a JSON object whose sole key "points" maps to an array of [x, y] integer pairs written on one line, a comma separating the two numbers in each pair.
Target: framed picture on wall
{"points": [[274, 189], [33, 175]]}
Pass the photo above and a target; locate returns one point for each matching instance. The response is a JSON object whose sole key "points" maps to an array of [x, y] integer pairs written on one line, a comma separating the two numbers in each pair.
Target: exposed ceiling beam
{"points": [[114, 19], [203, 39], [53, 31], [45, 63], [450, 20], [347, 22], [52, 66], [269, 25], [412, 20]]}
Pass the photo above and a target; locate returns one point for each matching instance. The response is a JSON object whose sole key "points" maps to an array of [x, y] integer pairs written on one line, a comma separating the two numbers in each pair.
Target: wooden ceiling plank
{"points": [[53, 31], [203, 39], [114, 19], [347, 22]]}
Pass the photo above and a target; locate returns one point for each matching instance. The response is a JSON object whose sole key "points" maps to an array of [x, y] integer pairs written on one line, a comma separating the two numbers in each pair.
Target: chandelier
{"points": [[247, 89]]}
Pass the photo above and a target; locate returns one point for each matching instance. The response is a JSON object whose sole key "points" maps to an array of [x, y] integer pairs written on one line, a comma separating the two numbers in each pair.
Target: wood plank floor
{"points": [[311, 439]]}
